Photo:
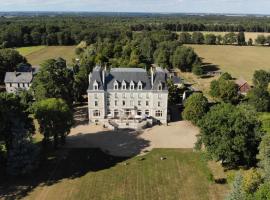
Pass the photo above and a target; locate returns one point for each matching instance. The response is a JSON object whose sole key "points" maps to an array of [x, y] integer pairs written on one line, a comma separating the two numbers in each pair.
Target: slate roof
{"points": [[18, 77], [127, 74]]}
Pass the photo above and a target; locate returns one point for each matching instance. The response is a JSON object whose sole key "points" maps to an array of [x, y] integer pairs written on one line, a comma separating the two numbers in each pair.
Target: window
{"points": [[115, 103], [158, 113], [131, 95], [140, 95], [139, 112], [140, 86], [95, 96], [147, 95], [95, 85], [96, 113], [123, 103], [159, 96], [139, 103], [116, 113], [131, 103], [160, 86], [108, 102], [18, 85], [23, 85], [147, 103], [147, 112], [109, 112], [124, 85], [124, 95], [127, 112], [116, 95], [132, 85], [10, 84], [159, 104], [115, 85], [96, 103]]}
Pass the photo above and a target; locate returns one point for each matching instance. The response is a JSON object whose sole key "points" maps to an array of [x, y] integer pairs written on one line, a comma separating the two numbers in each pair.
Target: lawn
{"points": [[265, 118], [36, 55], [91, 174]]}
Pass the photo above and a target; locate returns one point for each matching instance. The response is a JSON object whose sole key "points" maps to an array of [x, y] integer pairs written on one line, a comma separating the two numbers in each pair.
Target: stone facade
{"points": [[128, 94]]}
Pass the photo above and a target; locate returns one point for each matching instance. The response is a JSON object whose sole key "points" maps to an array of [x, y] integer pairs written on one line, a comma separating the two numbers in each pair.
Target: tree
{"points": [[175, 93], [197, 70], [55, 119], [54, 80], [231, 134], [261, 40], [264, 156], [230, 38], [185, 38], [263, 193], [237, 192], [210, 39], [241, 40], [250, 42], [226, 76], [9, 59], [251, 181], [197, 38], [196, 107], [259, 98], [261, 78], [184, 58]]}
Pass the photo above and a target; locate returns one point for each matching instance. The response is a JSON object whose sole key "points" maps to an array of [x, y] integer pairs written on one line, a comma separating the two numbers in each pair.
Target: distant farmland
{"points": [[36, 55], [239, 61]]}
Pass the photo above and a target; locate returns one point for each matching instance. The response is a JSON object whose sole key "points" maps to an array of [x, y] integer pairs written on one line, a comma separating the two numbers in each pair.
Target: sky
{"points": [[167, 6]]}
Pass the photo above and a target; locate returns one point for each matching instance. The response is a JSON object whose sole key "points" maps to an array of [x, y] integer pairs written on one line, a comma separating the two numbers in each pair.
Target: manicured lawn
{"points": [[91, 174], [36, 55], [25, 51]]}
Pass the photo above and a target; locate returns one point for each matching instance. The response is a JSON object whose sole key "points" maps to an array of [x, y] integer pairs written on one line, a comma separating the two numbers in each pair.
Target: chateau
{"points": [[127, 94]]}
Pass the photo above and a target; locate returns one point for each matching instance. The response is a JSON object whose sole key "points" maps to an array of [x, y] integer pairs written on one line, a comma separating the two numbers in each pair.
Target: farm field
{"points": [[91, 174], [248, 35], [37, 54]]}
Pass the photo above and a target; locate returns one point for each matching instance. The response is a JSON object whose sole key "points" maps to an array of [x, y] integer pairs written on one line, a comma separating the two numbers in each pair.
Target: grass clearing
{"points": [[265, 118], [37, 54], [237, 60], [91, 174], [25, 51]]}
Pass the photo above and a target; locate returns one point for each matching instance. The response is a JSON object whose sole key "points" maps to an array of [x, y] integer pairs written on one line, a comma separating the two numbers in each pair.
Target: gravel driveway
{"points": [[129, 142]]}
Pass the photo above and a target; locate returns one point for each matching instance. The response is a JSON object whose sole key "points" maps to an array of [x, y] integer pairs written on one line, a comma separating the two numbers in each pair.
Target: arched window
{"points": [[124, 85], [140, 85], [115, 85], [96, 113], [95, 85], [160, 86], [132, 85]]}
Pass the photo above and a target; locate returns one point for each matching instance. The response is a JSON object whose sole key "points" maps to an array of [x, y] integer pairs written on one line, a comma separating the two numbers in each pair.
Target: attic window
{"points": [[140, 85], [132, 85], [124, 85], [160, 87], [95, 85], [115, 86]]}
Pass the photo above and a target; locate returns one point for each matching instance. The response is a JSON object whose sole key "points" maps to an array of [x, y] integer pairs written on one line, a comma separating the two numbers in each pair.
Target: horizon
{"points": [[259, 7]]}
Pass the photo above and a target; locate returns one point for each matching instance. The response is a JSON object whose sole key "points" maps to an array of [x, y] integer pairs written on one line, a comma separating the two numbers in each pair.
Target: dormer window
{"points": [[124, 85], [132, 85], [159, 86], [115, 85], [95, 85], [140, 85]]}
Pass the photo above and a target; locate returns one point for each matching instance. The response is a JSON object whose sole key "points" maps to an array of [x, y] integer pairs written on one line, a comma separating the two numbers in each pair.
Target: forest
{"points": [[72, 29]]}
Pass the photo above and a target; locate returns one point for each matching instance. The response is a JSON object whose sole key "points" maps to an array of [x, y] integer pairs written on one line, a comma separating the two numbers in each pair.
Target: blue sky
{"points": [[217, 6]]}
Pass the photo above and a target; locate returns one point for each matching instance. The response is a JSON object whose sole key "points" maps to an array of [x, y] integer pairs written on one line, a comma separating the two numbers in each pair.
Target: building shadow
{"points": [[76, 159]]}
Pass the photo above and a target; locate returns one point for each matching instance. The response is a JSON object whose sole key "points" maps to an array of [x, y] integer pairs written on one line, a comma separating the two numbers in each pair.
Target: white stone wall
{"points": [[13, 87], [157, 101]]}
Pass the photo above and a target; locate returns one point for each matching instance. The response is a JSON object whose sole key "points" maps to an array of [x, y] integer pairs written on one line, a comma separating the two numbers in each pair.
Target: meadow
{"points": [[37, 54], [91, 174]]}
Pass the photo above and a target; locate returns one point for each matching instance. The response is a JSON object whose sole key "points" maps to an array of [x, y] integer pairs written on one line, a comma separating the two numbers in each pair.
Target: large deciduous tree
{"points": [[55, 119], [231, 134], [54, 80], [196, 107]]}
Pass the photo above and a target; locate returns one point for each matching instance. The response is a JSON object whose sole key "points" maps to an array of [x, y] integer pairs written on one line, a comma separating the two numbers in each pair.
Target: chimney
{"points": [[104, 74], [90, 75], [152, 75]]}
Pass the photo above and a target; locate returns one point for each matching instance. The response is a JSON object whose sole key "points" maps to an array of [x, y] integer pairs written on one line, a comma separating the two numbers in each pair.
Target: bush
{"points": [[197, 70]]}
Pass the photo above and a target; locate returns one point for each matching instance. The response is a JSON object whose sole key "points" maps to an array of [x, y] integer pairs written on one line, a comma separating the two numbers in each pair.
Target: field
{"points": [[37, 54], [265, 118], [248, 35], [91, 174]]}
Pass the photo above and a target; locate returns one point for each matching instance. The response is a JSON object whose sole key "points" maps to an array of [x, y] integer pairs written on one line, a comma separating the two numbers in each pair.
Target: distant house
{"points": [[243, 86], [20, 79]]}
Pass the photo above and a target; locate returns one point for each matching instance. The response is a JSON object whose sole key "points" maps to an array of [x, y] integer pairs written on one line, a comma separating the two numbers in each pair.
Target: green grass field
{"points": [[265, 118], [91, 174], [239, 61], [37, 54]]}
